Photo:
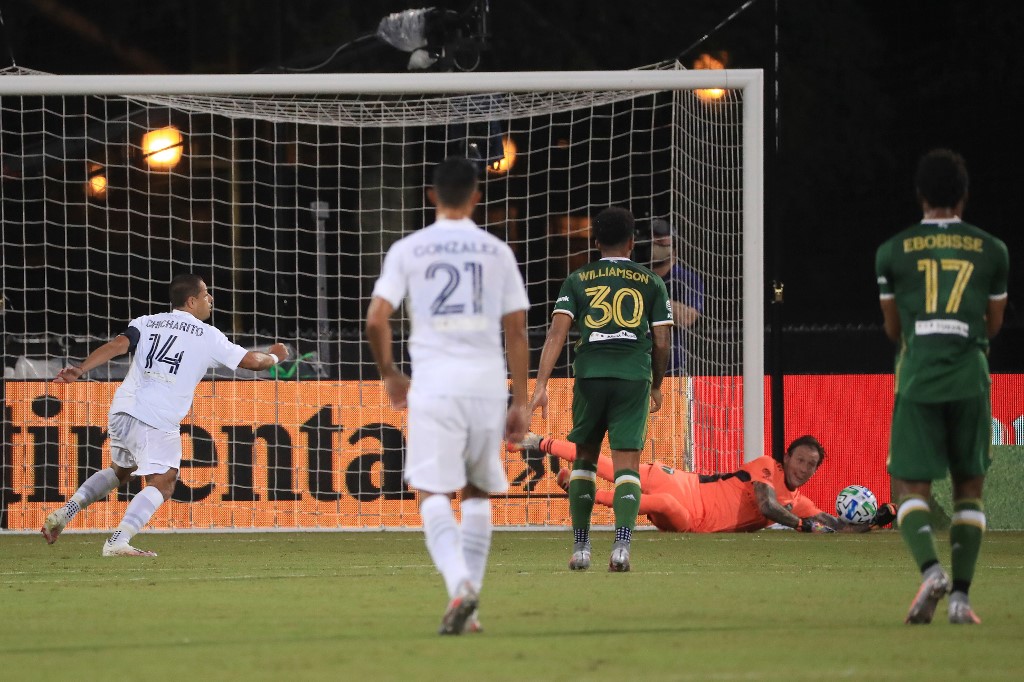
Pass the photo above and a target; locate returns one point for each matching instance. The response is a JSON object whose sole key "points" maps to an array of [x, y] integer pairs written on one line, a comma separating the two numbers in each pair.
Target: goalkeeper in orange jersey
{"points": [[761, 492]]}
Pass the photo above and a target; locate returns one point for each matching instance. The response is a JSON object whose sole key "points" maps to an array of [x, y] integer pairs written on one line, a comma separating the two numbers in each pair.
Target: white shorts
{"points": [[137, 444], [455, 441]]}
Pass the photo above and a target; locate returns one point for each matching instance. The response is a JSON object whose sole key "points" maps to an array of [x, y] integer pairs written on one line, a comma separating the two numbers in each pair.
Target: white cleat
{"points": [[960, 611], [124, 549], [580, 559], [460, 609], [473, 624], [933, 588], [618, 562], [53, 525]]}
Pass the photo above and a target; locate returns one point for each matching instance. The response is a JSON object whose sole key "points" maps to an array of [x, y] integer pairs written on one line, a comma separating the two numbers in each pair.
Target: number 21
{"points": [[440, 306]]}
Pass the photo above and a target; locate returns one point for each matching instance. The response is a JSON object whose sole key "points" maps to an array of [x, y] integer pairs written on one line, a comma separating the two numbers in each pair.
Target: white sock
{"points": [[137, 515], [443, 541], [96, 487], [476, 537]]}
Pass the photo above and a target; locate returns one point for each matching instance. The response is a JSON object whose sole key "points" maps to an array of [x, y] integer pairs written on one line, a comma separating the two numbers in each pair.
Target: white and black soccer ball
{"points": [[856, 504]]}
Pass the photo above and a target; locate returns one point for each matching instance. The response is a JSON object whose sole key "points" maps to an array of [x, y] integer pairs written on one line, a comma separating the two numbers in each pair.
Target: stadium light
{"points": [[162, 148], [706, 61], [96, 184], [507, 160]]}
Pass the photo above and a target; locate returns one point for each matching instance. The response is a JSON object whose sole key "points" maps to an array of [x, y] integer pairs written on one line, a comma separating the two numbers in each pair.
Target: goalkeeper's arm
{"points": [[768, 505], [885, 515], [837, 525]]}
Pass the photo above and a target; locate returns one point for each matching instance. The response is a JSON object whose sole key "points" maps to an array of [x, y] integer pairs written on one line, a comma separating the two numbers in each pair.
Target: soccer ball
{"points": [[856, 504]]}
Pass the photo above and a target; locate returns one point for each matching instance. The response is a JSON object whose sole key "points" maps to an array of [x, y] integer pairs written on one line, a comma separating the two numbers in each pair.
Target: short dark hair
{"points": [[455, 180], [613, 226], [807, 440], [941, 178], [184, 287]]}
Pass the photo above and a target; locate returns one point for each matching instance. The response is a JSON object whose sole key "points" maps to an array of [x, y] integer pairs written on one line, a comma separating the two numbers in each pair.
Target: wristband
{"points": [[274, 358], [805, 526]]}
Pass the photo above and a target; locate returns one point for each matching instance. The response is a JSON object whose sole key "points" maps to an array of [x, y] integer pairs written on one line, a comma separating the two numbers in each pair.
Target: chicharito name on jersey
{"points": [[177, 325]]}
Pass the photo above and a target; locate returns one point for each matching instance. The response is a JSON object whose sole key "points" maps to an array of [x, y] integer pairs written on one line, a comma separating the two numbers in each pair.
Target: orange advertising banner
{"points": [[261, 455]]}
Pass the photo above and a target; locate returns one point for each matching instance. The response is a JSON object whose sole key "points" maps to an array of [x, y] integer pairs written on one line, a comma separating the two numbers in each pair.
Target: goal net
{"points": [[285, 198]]}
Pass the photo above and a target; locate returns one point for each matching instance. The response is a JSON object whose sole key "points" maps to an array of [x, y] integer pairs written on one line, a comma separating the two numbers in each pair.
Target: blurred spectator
{"points": [[685, 289]]}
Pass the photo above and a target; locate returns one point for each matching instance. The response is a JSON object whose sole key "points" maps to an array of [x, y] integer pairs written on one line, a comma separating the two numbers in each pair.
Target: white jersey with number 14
{"points": [[173, 352]]}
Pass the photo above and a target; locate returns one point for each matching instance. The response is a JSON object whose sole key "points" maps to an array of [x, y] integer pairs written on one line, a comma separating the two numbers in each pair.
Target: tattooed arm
{"points": [[768, 504], [839, 525]]}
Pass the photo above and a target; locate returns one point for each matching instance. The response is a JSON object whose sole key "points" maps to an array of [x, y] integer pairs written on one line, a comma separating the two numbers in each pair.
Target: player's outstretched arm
{"points": [[558, 332], [839, 525], [111, 349], [258, 360], [768, 505]]}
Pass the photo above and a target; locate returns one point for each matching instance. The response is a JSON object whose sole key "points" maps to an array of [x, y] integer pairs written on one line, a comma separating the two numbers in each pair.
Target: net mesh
{"points": [[286, 206]]}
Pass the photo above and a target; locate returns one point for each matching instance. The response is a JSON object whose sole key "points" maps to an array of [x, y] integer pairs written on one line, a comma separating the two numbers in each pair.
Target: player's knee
{"points": [[164, 482], [122, 473]]}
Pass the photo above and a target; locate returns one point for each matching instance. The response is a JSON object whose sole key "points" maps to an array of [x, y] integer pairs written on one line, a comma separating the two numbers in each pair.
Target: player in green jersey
{"points": [[623, 315], [942, 288]]}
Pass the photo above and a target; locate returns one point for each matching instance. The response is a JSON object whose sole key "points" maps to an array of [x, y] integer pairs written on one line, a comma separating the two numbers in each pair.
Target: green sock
{"points": [[915, 519], [582, 490], [968, 526], [627, 498]]}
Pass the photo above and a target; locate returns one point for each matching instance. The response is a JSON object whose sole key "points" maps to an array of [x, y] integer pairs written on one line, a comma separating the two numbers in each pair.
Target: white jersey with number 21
{"points": [[460, 281]]}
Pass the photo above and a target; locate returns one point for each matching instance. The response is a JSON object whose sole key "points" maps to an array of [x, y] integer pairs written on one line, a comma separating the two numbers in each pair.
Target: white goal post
{"points": [[284, 191]]}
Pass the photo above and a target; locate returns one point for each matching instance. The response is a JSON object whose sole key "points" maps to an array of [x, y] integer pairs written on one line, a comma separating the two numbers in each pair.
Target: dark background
{"points": [[864, 88]]}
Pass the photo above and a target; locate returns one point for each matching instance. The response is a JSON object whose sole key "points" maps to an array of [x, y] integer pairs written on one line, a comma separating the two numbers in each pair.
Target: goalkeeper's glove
{"points": [[808, 525], [885, 515]]}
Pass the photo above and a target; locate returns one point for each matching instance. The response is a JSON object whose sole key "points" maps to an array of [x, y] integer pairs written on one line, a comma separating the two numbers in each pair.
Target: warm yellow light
{"points": [[508, 159], [162, 148], [706, 61], [96, 185]]}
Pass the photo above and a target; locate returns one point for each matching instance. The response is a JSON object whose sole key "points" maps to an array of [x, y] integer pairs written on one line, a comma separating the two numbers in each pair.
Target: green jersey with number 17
{"points": [[614, 303], [942, 274]]}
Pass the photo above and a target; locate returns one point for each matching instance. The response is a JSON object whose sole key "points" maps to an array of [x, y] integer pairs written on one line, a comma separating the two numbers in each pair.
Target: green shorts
{"points": [[930, 439], [619, 407]]}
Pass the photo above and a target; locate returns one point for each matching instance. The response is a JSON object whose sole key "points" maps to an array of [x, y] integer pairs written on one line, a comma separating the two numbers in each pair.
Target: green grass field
{"points": [[365, 606]]}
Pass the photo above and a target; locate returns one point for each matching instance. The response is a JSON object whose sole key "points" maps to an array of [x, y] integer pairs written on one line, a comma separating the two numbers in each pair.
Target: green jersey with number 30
{"points": [[614, 302], [942, 274]]}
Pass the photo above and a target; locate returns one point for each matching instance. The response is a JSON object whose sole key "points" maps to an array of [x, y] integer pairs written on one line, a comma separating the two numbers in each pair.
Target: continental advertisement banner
{"points": [[322, 454], [265, 454]]}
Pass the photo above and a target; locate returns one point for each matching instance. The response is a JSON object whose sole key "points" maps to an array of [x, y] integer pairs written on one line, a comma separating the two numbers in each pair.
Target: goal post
{"points": [[284, 191]]}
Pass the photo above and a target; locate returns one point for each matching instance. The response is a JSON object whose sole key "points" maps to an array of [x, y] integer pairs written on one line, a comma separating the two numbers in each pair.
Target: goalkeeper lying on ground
{"points": [[761, 492]]}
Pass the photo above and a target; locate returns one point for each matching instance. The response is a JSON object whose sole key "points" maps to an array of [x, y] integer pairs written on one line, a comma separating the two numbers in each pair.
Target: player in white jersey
{"points": [[173, 351], [462, 289]]}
